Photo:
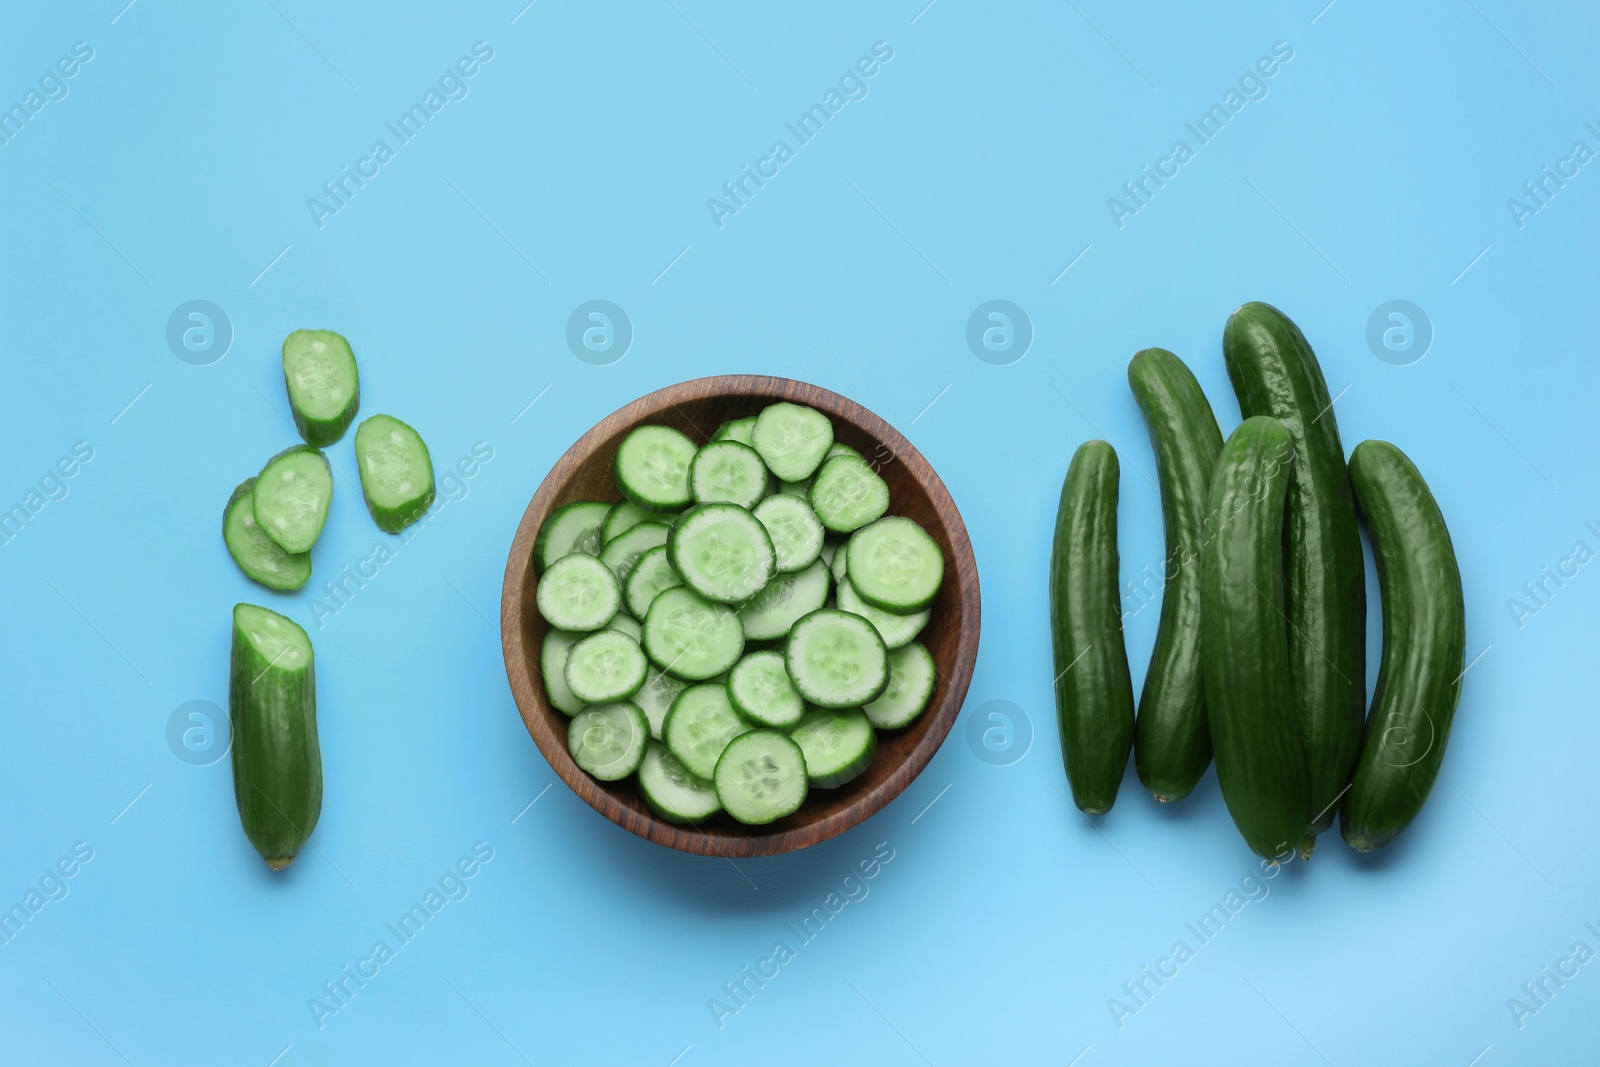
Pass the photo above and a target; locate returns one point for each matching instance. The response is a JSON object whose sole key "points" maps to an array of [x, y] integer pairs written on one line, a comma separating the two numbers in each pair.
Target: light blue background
{"points": [[178, 167]]}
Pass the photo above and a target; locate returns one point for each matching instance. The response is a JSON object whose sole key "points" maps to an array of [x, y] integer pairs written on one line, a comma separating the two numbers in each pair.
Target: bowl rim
{"points": [[528, 692]]}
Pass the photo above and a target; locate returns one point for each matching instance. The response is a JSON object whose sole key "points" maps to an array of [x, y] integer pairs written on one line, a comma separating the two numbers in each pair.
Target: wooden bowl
{"points": [[697, 408]]}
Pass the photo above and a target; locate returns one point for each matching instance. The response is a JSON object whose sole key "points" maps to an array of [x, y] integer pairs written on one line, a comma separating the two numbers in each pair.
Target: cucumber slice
{"points": [[847, 494], [727, 472], [655, 697], [760, 690], [652, 467], [837, 745], [604, 667], [291, 496], [623, 552], [624, 624], [570, 528], [319, 371], [836, 659], [578, 593], [772, 612], [691, 637], [895, 565], [839, 565], [700, 725], [625, 515], [260, 557], [761, 777], [912, 677], [796, 534], [671, 791], [801, 489], [792, 439], [396, 472], [829, 550], [553, 654], [608, 740], [736, 430], [722, 552], [896, 630], [652, 575]]}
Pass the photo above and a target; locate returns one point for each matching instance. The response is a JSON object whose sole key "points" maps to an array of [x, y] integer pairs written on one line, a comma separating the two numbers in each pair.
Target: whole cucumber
{"points": [[1424, 645], [1172, 742], [1249, 690], [1094, 695]]}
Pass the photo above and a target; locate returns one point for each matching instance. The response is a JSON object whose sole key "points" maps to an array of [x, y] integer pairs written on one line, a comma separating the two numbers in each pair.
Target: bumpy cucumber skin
{"points": [[1249, 685], [1424, 647], [1094, 694], [277, 763], [1172, 741], [301, 562], [323, 432], [395, 519], [1274, 372]]}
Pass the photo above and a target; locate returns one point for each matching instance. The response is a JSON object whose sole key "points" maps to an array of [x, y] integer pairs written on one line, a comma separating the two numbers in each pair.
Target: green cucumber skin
{"points": [[267, 529], [1255, 731], [395, 519], [1274, 372], [1094, 694], [1424, 647], [277, 763], [288, 584], [1172, 740], [321, 433]]}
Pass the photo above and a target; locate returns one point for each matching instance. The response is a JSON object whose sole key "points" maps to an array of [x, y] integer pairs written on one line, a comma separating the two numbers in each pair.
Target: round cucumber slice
{"points": [[847, 494], [691, 637], [760, 689], [896, 630], [700, 725], [772, 612], [652, 574], [671, 791], [837, 745], [652, 467], [836, 659], [625, 515], [792, 439], [626, 624], [912, 677], [260, 557], [396, 472], [761, 777], [655, 697], [577, 593], [727, 472], [722, 552], [553, 654], [624, 550], [795, 531], [605, 667], [895, 565], [570, 528], [609, 740], [291, 496]]}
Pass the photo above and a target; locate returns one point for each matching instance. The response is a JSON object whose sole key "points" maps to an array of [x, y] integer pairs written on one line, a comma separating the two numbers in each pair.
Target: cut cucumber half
{"points": [[700, 725], [736, 430], [608, 740], [652, 574], [722, 552], [570, 528], [792, 439], [836, 659], [772, 612], [319, 371], [671, 791], [604, 667], [652, 467], [655, 697], [761, 777], [553, 668], [625, 624], [796, 534], [727, 472], [621, 553], [260, 557], [896, 630], [291, 496], [895, 565], [837, 745], [691, 637], [625, 515], [578, 593], [760, 689], [847, 494], [912, 677], [396, 472]]}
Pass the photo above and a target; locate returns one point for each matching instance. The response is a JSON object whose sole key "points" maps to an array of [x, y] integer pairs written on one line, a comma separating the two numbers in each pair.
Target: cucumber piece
{"points": [[1094, 695], [761, 691], [655, 697], [578, 593], [700, 725], [727, 472], [573, 527], [839, 564], [608, 740], [553, 652], [604, 667], [1275, 373], [291, 496], [625, 624], [839, 448], [792, 439], [761, 777], [801, 489], [396, 472], [795, 531], [836, 659], [722, 552], [272, 707], [736, 430], [830, 549], [622, 552], [625, 515], [652, 574], [847, 494], [896, 630], [771, 613], [1255, 733], [1424, 646], [691, 637], [319, 371], [671, 791], [912, 678], [260, 557], [896, 566], [652, 467], [837, 745], [1172, 741]]}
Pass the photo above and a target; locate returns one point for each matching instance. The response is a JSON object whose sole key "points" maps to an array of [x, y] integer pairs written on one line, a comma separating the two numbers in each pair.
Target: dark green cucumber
{"points": [[260, 557], [272, 706], [1424, 645], [1172, 743], [1249, 688], [1275, 373], [319, 371], [1094, 695]]}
